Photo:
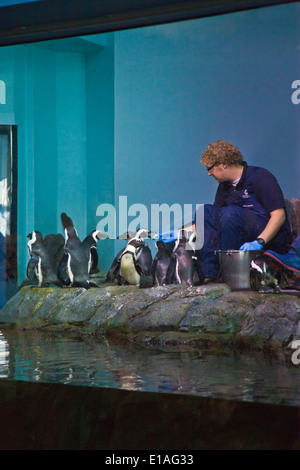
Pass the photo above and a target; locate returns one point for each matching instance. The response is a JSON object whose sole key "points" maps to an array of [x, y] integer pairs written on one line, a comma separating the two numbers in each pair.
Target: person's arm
{"points": [[277, 219], [268, 192]]}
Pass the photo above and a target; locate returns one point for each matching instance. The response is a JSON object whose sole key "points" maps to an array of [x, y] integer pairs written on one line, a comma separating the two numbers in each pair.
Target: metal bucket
{"points": [[235, 267]]}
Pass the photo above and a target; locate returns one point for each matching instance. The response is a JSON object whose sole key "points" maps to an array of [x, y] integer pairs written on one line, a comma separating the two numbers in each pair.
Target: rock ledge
{"points": [[204, 317]]}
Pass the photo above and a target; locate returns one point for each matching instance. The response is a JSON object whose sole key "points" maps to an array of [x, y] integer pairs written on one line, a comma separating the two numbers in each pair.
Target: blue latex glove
{"points": [[169, 236], [250, 246]]}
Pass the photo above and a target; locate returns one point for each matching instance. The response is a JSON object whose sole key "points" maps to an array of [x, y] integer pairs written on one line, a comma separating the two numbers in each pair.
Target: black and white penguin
{"points": [[72, 251], [89, 244], [264, 276], [79, 258], [145, 257], [184, 263], [114, 271], [136, 262], [41, 264], [161, 264], [198, 272]]}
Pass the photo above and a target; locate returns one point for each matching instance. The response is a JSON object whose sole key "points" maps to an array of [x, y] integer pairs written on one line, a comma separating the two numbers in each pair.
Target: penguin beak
{"points": [[153, 234], [100, 234]]}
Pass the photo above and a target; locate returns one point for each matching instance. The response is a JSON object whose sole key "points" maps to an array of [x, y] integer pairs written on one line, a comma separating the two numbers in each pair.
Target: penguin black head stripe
{"points": [[136, 243], [34, 237]]}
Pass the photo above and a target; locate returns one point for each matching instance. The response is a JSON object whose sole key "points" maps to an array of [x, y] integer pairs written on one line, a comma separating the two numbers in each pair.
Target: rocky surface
{"points": [[209, 316]]}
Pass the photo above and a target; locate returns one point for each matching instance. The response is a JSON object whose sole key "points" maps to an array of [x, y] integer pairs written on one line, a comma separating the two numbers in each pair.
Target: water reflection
{"points": [[4, 356], [32, 356]]}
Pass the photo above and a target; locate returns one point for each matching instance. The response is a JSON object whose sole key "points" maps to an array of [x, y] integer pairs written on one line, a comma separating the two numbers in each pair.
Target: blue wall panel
{"points": [[181, 86], [129, 114]]}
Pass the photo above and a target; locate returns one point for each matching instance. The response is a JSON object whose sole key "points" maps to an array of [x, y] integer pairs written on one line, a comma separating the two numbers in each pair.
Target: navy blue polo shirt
{"points": [[257, 190]]}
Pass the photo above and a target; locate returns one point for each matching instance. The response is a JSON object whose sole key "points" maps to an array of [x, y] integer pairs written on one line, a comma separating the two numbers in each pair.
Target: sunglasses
{"points": [[209, 168]]}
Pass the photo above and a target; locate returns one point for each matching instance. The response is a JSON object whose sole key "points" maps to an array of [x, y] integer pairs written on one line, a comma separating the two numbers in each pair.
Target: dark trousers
{"points": [[228, 228], [295, 247]]}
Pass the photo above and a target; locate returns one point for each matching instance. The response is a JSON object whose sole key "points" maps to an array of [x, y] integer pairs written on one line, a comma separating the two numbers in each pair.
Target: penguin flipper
{"points": [[62, 270], [171, 270], [115, 268], [112, 274], [94, 256], [141, 267], [31, 266], [198, 271], [153, 269], [144, 260]]}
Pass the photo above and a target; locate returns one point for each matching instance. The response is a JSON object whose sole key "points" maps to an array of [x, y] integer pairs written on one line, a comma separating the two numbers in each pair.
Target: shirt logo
{"points": [[245, 195]]}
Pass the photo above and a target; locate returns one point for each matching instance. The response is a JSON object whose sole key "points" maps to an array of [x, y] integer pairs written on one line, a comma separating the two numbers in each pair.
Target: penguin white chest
{"points": [[69, 269], [128, 270], [38, 271]]}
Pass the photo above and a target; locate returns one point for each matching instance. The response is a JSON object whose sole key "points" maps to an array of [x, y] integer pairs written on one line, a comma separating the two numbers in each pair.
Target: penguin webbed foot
{"points": [[109, 279], [93, 285], [66, 283], [146, 282], [85, 285], [122, 281]]}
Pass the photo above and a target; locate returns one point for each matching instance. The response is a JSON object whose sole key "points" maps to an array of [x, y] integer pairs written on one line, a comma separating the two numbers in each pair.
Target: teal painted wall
{"points": [[100, 88], [50, 114], [129, 114], [181, 86], [65, 128]]}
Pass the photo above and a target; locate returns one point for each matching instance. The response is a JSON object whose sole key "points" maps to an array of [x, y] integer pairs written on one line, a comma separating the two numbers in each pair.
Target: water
{"points": [[36, 357]]}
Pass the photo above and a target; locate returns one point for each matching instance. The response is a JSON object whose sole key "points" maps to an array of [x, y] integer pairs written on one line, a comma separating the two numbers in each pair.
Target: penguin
{"points": [[264, 277], [114, 271], [142, 233], [198, 272], [79, 258], [136, 262], [145, 256], [184, 262], [55, 245], [72, 250], [41, 264], [160, 264], [89, 244]]}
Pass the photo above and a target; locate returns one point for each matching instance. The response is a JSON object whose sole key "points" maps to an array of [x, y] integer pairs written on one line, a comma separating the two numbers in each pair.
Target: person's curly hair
{"points": [[221, 152]]}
